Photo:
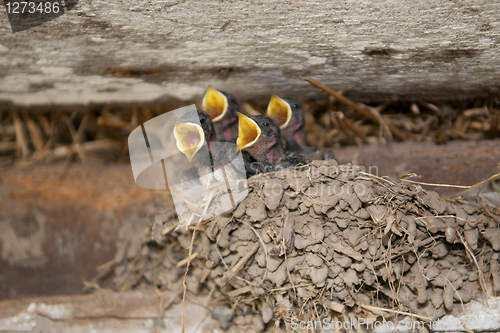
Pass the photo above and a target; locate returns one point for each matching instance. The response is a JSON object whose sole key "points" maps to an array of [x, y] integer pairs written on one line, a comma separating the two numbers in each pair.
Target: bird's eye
{"points": [[202, 120], [265, 124], [295, 106]]}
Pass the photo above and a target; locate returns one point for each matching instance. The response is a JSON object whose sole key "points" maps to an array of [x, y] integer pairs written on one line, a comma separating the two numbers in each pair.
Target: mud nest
{"points": [[322, 242]]}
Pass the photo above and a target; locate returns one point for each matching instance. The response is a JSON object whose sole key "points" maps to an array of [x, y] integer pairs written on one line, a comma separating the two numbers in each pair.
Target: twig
{"points": [[335, 320], [287, 218], [22, 143], [462, 321], [340, 124], [106, 265], [375, 308], [376, 177], [240, 291], [354, 128], [188, 258], [335, 306], [394, 130], [171, 228], [361, 109], [440, 216], [228, 275], [288, 288], [447, 185], [386, 126], [263, 246], [77, 140], [44, 122], [35, 133], [107, 121], [250, 110], [479, 271]]}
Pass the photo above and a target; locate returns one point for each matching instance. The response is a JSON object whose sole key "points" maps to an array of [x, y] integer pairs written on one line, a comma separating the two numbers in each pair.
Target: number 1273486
{"points": [[31, 7]]}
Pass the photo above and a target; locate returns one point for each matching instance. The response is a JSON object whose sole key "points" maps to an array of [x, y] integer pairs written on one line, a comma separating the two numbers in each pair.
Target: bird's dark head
{"points": [[289, 115], [261, 137], [207, 125], [192, 130], [233, 106]]}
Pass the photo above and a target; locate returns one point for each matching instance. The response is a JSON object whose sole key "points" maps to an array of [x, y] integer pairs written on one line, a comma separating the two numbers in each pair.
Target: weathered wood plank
{"points": [[134, 311], [138, 51]]}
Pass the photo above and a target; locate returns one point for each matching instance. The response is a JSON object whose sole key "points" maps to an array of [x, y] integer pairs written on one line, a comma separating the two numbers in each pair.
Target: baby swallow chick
{"points": [[196, 138], [222, 108], [260, 136], [289, 115], [194, 134]]}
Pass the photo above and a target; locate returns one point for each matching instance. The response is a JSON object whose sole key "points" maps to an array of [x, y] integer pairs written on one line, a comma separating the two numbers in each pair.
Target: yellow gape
{"points": [[215, 104], [248, 132], [279, 110], [189, 138]]}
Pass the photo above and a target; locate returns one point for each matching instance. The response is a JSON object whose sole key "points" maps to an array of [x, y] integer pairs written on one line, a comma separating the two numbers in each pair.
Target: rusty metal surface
{"points": [[54, 232]]}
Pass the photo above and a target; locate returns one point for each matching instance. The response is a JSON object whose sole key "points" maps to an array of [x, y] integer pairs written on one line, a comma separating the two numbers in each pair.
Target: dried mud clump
{"points": [[325, 241]]}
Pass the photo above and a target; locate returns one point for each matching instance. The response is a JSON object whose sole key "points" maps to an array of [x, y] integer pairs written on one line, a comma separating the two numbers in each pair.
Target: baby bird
{"points": [[289, 115], [261, 137], [213, 161], [222, 108], [194, 134]]}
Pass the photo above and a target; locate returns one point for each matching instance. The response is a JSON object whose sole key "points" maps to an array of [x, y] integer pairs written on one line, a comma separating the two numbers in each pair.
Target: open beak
{"points": [[279, 110], [189, 138], [215, 104], [248, 132]]}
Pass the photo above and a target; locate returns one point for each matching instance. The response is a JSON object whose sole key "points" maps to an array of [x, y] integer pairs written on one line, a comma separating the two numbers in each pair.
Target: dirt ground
{"points": [[57, 230]]}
